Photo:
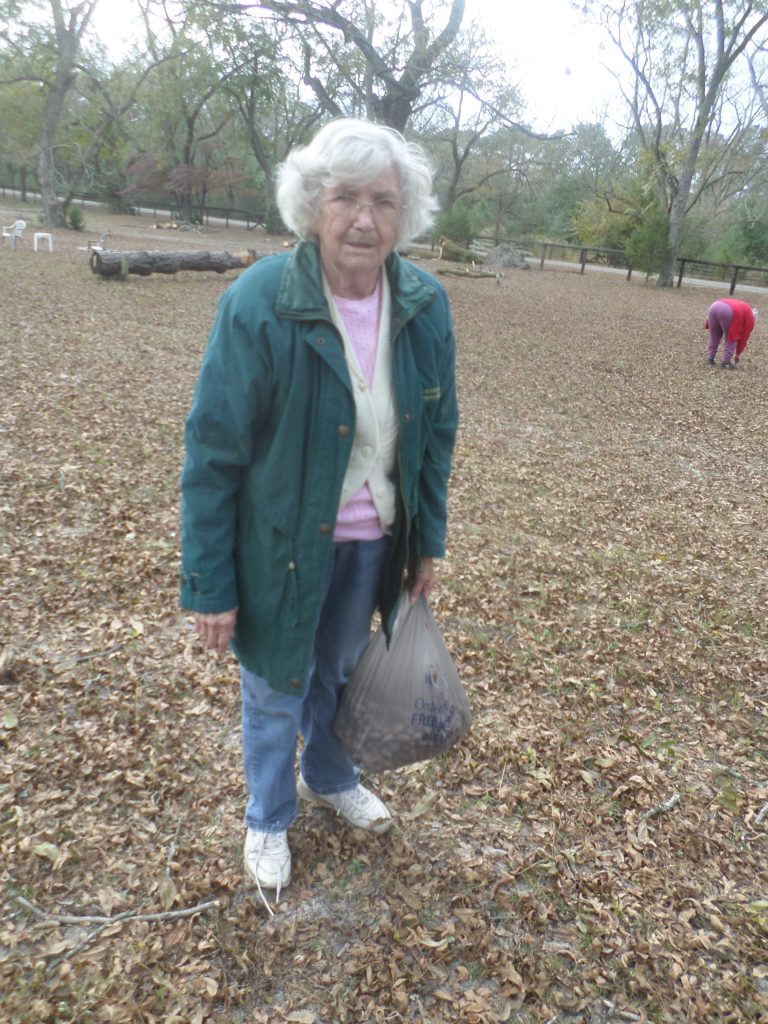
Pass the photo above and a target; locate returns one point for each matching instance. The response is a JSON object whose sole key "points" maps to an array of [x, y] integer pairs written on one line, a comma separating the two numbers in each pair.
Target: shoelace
{"points": [[278, 887]]}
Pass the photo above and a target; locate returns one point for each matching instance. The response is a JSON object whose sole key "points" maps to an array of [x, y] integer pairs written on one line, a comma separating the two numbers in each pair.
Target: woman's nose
{"points": [[364, 215]]}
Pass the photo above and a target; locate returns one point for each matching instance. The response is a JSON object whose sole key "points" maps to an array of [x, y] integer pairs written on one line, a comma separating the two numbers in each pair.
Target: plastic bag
{"points": [[404, 704]]}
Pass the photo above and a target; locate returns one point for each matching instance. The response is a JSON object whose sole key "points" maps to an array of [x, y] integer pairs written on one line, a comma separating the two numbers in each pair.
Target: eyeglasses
{"points": [[348, 207]]}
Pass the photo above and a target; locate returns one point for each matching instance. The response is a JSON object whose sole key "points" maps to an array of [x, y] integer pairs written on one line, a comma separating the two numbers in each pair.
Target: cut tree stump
{"points": [[113, 263]]}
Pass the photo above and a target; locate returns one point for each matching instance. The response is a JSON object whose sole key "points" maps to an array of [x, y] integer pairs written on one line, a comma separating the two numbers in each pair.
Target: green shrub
{"points": [[459, 224], [75, 218]]}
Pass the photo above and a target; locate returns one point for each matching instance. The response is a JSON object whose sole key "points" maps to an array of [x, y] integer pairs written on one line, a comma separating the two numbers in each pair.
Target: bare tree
{"points": [[759, 83], [682, 54], [398, 57]]}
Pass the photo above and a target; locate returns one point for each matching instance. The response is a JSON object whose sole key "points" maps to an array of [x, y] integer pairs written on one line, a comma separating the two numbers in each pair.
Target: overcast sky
{"points": [[556, 61]]}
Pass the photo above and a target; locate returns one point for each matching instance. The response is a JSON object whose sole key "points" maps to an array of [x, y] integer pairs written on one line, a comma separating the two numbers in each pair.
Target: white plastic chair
{"points": [[15, 231]]}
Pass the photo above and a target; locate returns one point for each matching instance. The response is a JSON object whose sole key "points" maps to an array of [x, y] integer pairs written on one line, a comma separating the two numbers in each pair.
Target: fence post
{"points": [[543, 256], [733, 280], [682, 271], [583, 258]]}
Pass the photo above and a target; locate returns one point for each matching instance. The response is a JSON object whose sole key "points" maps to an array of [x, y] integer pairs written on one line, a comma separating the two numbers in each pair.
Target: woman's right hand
{"points": [[216, 629]]}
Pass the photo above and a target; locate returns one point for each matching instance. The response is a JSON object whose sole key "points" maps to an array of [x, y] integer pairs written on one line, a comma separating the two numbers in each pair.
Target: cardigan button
{"points": [[296, 684], [325, 528], [291, 566], [343, 430]]}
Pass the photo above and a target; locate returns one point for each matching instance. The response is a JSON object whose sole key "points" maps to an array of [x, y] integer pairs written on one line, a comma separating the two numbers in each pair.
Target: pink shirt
{"points": [[358, 519]]}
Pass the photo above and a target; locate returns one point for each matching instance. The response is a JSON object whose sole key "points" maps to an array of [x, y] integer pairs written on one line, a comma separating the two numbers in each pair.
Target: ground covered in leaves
{"points": [[593, 853]]}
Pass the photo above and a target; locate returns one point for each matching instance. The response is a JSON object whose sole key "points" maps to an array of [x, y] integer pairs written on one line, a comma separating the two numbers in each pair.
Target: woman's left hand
{"points": [[421, 578]]}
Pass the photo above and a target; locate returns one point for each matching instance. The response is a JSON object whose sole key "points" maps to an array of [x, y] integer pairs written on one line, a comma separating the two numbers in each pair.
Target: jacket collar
{"points": [[300, 294]]}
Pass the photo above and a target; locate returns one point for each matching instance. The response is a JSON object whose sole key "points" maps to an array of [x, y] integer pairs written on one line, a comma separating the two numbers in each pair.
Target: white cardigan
{"points": [[374, 450]]}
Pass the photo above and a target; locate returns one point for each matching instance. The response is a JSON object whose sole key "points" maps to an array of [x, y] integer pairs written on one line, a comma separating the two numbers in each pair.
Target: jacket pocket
{"points": [[267, 586]]}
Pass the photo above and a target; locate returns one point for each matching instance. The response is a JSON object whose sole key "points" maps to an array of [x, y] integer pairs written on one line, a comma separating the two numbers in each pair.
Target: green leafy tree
{"points": [[646, 246], [183, 107], [266, 99], [47, 52], [21, 114]]}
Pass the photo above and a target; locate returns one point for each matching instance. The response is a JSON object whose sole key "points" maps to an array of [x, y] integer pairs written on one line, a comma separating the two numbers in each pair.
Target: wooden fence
{"points": [[584, 255]]}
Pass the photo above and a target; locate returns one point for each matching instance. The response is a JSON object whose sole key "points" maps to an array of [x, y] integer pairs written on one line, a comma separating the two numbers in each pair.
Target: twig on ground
{"points": [[80, 658], [172, 847], [727, 770], [621, 1014], [662, 808], [761, 815], [127, 915], [85, 942], [106, 922]]}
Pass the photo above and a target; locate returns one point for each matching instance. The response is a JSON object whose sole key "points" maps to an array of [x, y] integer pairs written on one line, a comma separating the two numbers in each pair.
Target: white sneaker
{"points": [[268, 861], [359, 807]]}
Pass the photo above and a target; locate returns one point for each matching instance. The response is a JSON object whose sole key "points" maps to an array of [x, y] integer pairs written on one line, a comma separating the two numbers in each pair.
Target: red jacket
{"points": [[743, 322]]}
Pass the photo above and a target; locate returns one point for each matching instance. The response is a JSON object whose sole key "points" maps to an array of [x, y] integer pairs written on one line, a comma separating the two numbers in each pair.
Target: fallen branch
{"points": [[127, 915], [105, 922], [652, 812], [761, 815], [726, 769], [622, 1014]]}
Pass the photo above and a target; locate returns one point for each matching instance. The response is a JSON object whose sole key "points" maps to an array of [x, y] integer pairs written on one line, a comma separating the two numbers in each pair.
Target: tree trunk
{"points": [[69, 24], [53, 215], [113, 263], [678, 208]]}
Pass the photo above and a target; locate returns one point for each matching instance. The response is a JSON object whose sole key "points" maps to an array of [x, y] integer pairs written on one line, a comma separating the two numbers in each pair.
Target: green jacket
{"points": [[267, 444]]}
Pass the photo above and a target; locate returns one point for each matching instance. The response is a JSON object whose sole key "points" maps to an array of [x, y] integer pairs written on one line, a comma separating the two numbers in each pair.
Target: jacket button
{"points": [[321, 341], [296, 684], [407, 417], [325, 528], [342, 430], [291, 566]]}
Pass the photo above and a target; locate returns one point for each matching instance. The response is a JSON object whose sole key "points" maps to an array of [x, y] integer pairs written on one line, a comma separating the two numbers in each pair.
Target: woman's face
{"points": [[357, 229]]}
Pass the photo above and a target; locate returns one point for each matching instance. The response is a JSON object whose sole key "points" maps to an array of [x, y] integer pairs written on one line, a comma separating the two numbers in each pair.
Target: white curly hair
{"points": [[354, 152]]}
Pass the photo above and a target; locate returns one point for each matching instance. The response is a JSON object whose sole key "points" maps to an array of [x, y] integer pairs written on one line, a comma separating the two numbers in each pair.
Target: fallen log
{"points": [[113, 263]]}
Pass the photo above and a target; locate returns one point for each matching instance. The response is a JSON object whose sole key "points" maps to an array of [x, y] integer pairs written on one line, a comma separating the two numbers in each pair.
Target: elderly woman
{"points": [[318, 450]]}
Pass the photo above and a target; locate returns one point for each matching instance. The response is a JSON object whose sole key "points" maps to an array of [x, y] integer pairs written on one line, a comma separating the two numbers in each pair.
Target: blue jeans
{"points": [[272, 721]]}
